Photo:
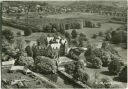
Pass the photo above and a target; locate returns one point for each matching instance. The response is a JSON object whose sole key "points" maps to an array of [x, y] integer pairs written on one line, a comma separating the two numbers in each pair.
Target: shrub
{"points": [[8, 34], [103, 55], [25, 61], [94, 36], [101, 33], [109, 48], [45, 65], [102, 83], [68, 36], [114, 66], [80, 75], [123, 74], [18, 33], [74, 34], [29, 51], [74, 54], [27, 32], [97, 63]]}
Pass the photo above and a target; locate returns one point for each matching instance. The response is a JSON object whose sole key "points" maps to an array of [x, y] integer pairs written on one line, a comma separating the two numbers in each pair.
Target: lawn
{"points": [[30, 82], [103, 73], [90, 31]]}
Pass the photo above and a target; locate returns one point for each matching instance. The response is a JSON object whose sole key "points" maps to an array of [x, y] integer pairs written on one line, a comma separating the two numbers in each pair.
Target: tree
{"points": [[99, 24], [42, 40], [81, 44], [49, 52], [82, 37], [29, 51], [70, 68], [75, 42], [97, 63], [62, 29], [89, 51], [109, 48], [68, 36], [94, 36], [103, 55], [20, 44], [114, 67], [25, 61], [8, 34], [28, 32], [74, 54], [119, 36], [67, 26], [45, 65], [81, 75], [123, 74], [74, 34], [101, 33], [47, 28]]}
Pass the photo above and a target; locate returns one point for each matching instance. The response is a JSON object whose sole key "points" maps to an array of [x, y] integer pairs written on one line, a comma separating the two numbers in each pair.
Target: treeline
{"points": [[117, 36], [120, 20], [74, 25], [21, 26], [50, 28]]}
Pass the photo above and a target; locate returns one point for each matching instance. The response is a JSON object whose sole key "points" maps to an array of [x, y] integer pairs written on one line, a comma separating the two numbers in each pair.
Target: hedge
{"points": [[21, 26]]}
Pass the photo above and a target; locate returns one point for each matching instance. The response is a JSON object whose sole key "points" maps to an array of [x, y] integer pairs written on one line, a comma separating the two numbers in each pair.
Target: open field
{"points": [[88, 16]]}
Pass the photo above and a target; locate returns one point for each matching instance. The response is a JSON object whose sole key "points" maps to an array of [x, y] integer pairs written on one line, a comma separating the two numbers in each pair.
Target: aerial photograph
{"points": [[64, 44]]}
